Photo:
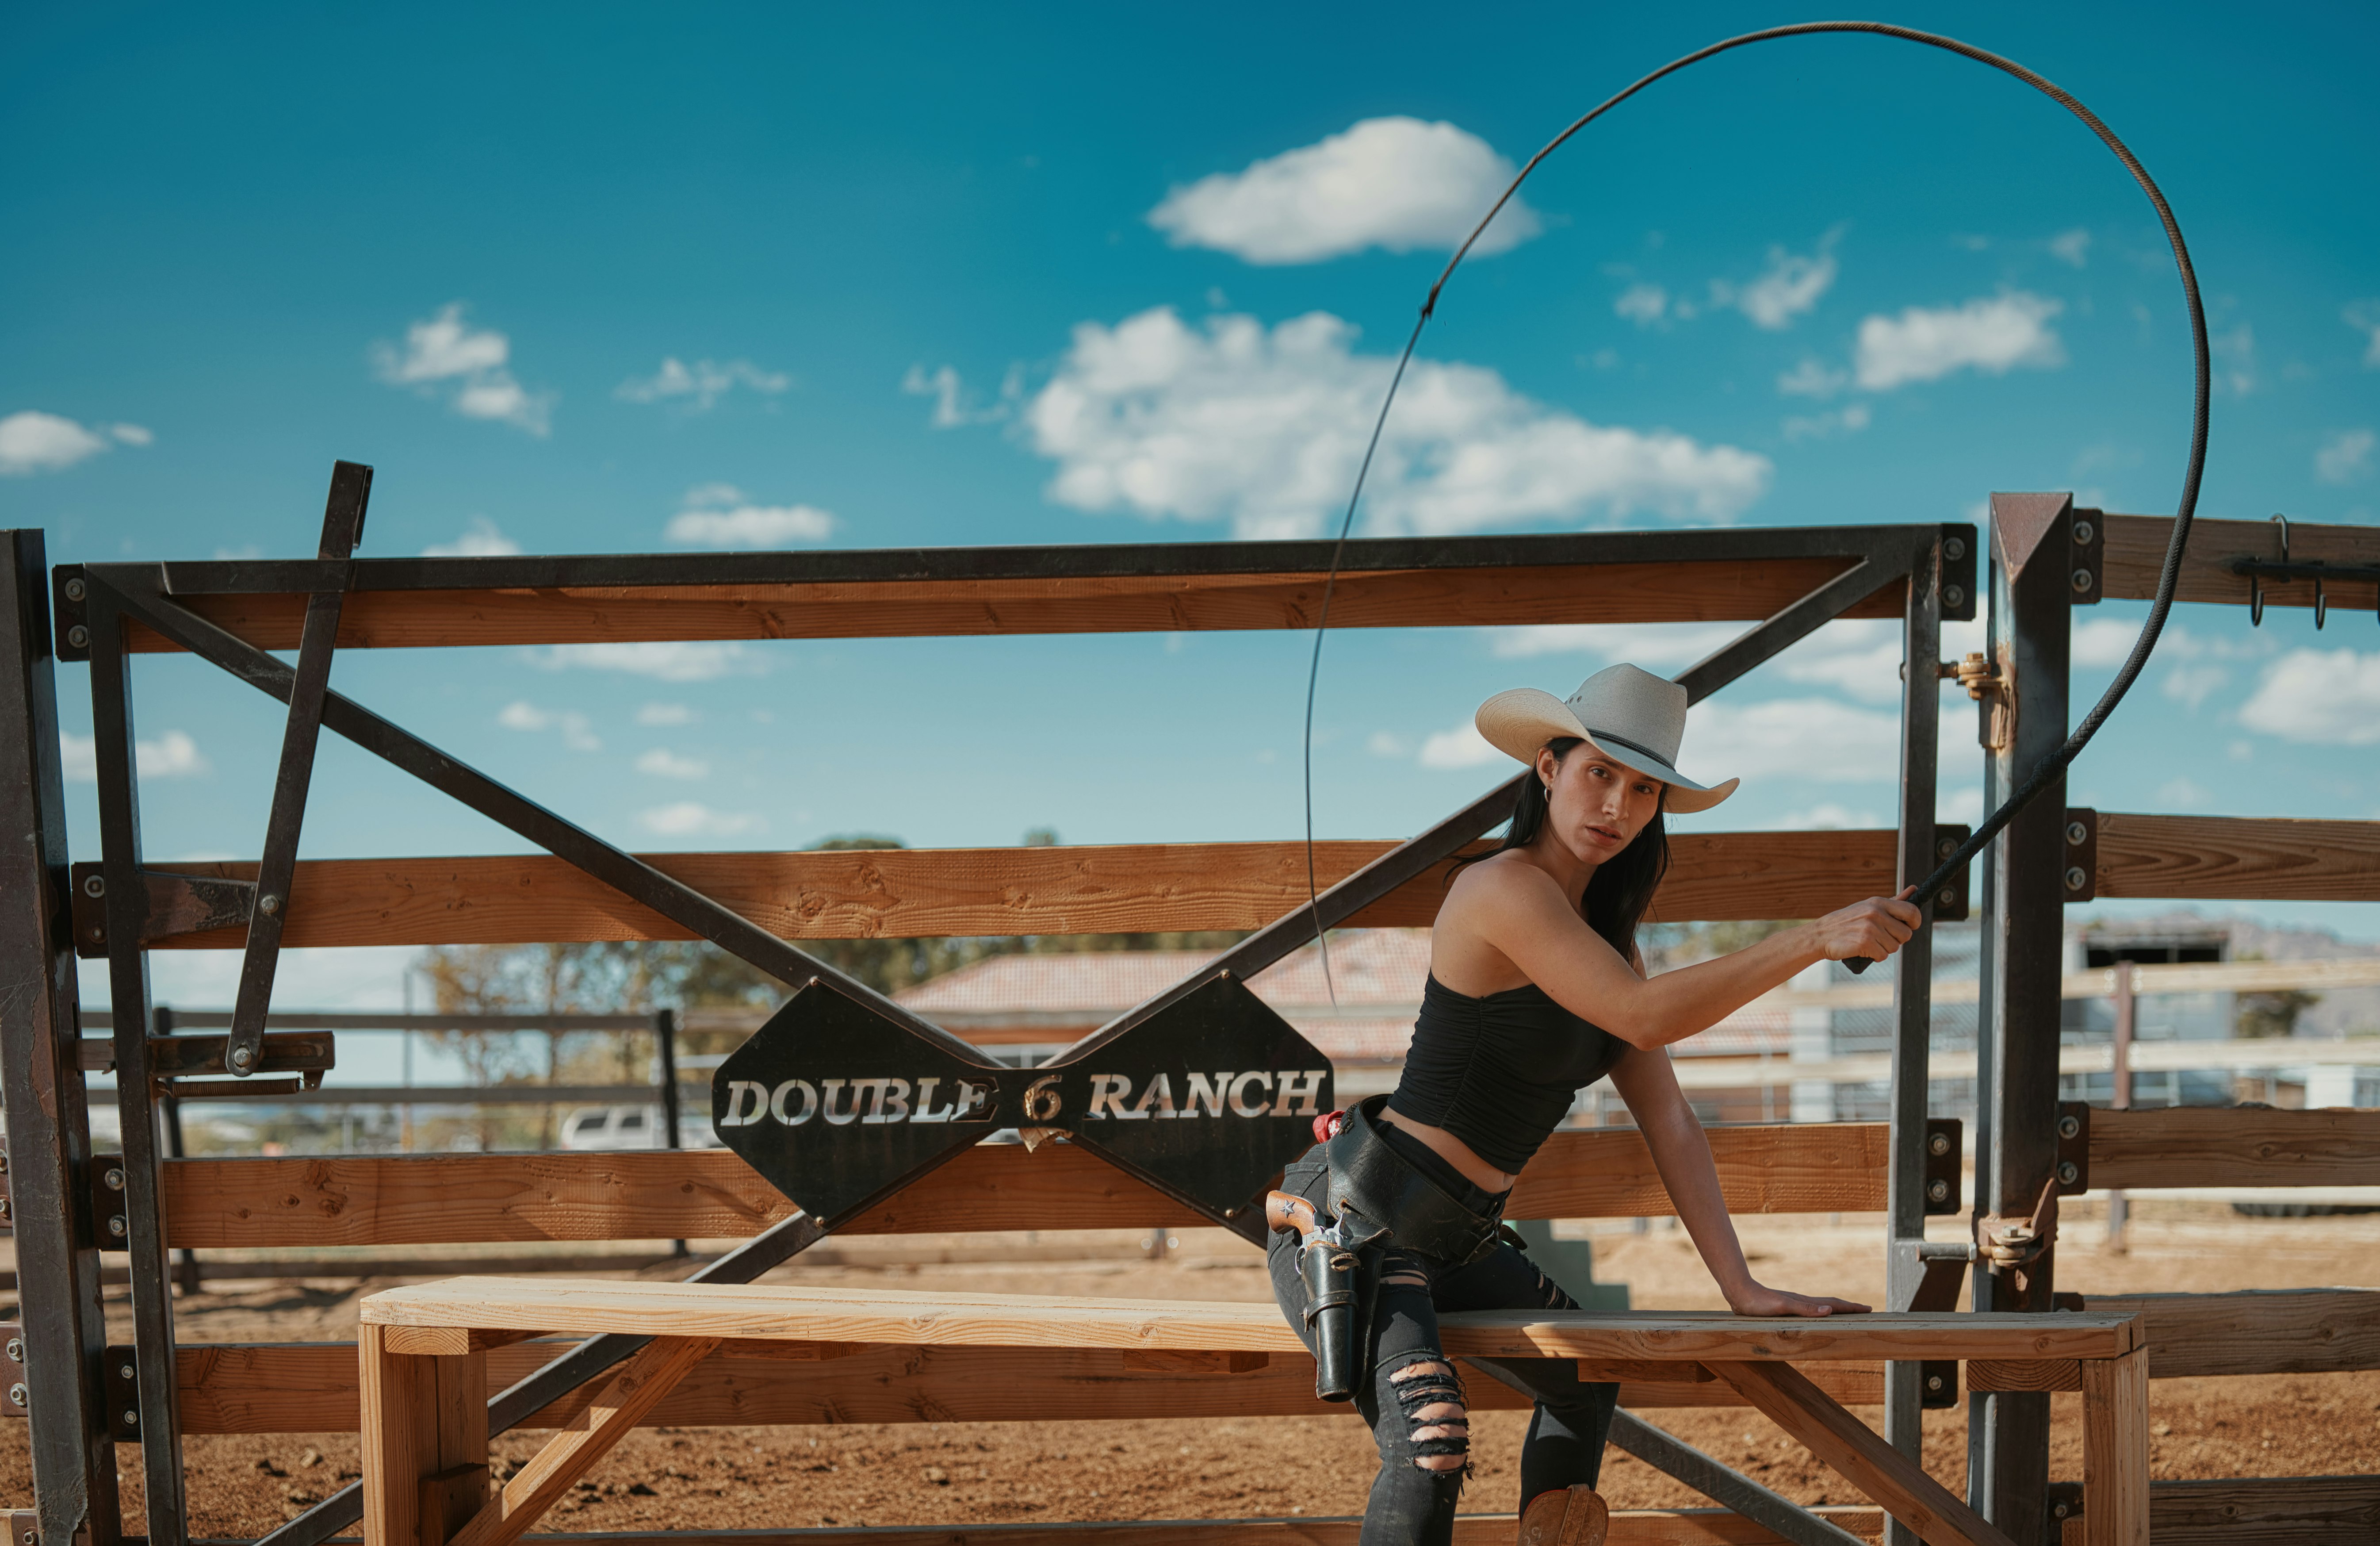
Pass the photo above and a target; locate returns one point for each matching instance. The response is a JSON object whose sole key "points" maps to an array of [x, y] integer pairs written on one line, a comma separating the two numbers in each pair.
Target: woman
{"points": [[1536, 990]]}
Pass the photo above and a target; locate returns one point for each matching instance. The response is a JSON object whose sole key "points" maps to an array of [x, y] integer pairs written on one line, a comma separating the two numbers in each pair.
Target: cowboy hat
{"points": [[1630, 716]]}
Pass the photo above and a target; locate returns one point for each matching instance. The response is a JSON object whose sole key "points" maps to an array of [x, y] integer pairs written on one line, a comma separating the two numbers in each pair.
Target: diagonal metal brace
{"points": [[343, 532], [133, 592]]}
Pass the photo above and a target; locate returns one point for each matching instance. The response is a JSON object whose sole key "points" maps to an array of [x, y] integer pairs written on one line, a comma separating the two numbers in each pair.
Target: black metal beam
{"points": [[48, 1158], [1912, 993], [342, 528], [639, 881], [158, 1406], [2019, 1010], [646, 571]]}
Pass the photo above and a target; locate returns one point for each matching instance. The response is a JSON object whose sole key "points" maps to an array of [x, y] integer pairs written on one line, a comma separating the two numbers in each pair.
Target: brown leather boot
{"points": [[1573, 1517]]}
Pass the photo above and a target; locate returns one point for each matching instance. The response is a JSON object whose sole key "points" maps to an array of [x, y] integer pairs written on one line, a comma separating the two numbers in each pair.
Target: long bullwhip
{"points": [[2050, 768]]}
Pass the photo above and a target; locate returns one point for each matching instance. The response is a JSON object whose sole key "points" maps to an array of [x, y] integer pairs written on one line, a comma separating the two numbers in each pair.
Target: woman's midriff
{"points": [[1454, 1151]]}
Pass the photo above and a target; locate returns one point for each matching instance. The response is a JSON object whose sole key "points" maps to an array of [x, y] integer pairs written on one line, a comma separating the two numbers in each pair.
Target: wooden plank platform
{"points": [[935, 893], [754, 1312], [385, 1200], [309, 1387]]}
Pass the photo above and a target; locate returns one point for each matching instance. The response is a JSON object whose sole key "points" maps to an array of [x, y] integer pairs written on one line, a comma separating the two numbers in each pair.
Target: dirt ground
{"points": [[1056, 1470]]}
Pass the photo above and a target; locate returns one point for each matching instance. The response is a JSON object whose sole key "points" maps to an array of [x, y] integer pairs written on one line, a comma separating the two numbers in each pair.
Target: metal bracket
{"points": [[342, 529], [2257, 571], [2081, 854], [18, 1400], [69, 593], [1952, 902], [8, 1203], [119, 1381], [1943, 1166], [2064, 1501], [1955, 577], [109, 1221], [24, 1527], [2073, 1147], [1938, 1383], [177, 905], [2087, 562]]}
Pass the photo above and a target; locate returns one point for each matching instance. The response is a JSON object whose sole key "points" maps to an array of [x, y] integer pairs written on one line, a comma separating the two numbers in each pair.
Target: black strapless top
{"points": [[1500, 1072]]}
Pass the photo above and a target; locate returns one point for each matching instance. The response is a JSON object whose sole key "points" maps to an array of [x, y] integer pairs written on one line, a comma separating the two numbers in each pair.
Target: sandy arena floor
{"points": [[1056, 1470]]}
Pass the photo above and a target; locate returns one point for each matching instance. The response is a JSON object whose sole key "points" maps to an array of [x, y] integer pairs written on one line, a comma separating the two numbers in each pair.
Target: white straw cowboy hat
{"points": [[1629, 716]]}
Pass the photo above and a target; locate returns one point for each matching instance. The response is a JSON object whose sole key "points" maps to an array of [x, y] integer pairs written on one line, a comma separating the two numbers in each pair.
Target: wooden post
{"points": [[425, 1442], [2120, 1206], [2116, 1450]]}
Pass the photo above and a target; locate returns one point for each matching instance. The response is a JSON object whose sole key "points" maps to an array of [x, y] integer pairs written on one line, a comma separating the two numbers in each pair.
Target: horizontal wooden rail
{"points": [[2135, 556], [2277, 1331], [1640, 592], [927, 892], [2261, 1511], [311, 1388], [2234, 1146], [708, 1194], [2236, 859]]}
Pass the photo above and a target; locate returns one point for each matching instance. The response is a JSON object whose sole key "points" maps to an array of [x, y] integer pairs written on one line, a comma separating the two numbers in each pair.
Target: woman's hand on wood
{"points": [[1757, 1299], [1873, 929]]}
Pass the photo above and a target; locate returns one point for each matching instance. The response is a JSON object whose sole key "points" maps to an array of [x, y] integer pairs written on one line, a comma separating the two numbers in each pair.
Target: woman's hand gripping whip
{"points": [[2041, 777]]}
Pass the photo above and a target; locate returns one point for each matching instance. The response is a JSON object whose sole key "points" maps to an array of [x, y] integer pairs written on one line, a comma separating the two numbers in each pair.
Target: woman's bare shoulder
{"points": [[1500, 884]]}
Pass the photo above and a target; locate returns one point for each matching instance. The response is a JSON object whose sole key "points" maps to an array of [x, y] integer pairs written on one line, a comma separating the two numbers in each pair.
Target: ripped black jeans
{"points": [[1414, 1390]]}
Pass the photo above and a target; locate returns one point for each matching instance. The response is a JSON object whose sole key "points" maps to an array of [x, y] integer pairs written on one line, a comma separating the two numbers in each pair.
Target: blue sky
{"points": [[580, 279]]}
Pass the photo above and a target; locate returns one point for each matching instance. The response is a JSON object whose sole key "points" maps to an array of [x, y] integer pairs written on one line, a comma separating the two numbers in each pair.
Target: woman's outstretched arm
{"points": [[1517, 911], [1681, 1153]]}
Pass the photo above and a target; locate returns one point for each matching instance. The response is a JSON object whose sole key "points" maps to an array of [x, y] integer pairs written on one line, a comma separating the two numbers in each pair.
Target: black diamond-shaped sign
{"points": [[837, 1106]]}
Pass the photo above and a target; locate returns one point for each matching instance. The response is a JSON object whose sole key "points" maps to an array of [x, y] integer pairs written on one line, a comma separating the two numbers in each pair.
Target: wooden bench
{"points": [[424, 1378]]}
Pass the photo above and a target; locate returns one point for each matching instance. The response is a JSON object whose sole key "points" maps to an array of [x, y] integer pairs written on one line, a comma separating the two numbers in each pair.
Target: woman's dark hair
{"points": [[1623, 886]]}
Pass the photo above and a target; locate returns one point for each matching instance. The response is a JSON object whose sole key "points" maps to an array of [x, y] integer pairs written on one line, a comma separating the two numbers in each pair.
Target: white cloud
{"points": [[1818, 738], [2364, 317], [2345, 456], [1462, 747], [1961, 806], [2071, 247], [665, 713], [1851, 419], [952, 406], [577, 733], [1383, 744], [1810, 378], [2320, 698], [1826, 816], [693, 819], [662, 762], [1398, 183], [2180, 793], [1992, 333], [705, 382], [1645, 643], [718, 516], [1265, 428], [36, 442], [445, 351], [1643, 304], [667, 661], [1790, 285], [132, 434], [172, 755], [482, 540], [2192, 685]]}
